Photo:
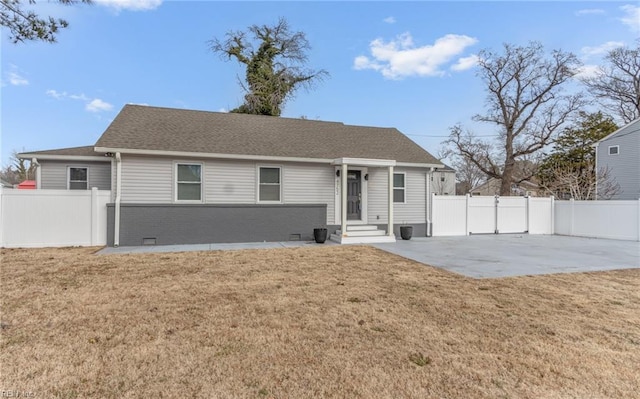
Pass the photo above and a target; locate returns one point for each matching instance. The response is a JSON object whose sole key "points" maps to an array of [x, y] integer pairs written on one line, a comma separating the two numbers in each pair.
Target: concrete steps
{"points": [[362, 234]]}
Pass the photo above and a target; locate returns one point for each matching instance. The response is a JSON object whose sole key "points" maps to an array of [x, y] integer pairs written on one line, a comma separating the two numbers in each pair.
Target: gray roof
{"points": [[85, 151], [165, 129]]}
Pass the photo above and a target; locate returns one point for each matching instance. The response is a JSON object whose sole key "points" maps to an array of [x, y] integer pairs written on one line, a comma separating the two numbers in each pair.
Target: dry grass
{"points": [[345, 322]]}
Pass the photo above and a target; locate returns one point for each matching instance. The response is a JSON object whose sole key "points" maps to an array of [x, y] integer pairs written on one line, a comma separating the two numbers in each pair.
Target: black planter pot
{"points": [[320, 235], [406, 232]]}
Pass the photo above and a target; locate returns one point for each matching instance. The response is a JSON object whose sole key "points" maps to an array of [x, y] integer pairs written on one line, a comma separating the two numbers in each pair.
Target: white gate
{"points": [[463, 215]]}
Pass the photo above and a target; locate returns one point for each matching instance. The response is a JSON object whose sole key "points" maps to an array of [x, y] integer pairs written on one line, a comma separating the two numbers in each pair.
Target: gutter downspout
{"points": [[116, 224], [428, 202], [34, 161]]}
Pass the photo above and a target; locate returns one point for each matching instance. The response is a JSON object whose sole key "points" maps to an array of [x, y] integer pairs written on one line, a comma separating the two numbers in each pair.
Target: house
{"points": [[443, 181], [618, 155], [185, 177], [492, 187]]}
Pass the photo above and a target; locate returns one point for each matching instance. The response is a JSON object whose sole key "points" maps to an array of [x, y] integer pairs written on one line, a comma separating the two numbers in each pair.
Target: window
{"points": [[399, 187], [614, 150], [188, 182], [269, 184], [78, 178]]}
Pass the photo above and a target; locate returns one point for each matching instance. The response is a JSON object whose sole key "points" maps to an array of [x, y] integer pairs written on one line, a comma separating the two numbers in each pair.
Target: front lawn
{"points": [[320, 322]]}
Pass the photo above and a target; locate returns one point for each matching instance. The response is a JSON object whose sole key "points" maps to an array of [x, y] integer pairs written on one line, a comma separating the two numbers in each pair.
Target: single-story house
{"points": [[182, 177], [618, 155]]}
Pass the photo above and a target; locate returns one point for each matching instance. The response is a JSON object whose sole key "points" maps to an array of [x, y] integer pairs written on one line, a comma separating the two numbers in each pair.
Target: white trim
{"points": [[617, 147], [419, 165], [175, 182], [214, 155], [69, 176], [404, 188], [280, 170], [364, 162], [71, 158]]}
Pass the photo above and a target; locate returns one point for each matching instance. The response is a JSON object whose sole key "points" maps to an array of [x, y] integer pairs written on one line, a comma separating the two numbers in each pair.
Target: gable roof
{"points": [[86, 153], [161, 130]]}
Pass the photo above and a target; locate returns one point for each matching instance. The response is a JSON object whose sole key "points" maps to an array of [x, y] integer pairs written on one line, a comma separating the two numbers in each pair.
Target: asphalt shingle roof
{"points": [[167, 129], [85, 151]]}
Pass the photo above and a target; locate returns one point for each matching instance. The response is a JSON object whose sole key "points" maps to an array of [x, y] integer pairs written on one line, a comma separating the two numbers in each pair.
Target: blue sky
{"points": [[407, 65]]}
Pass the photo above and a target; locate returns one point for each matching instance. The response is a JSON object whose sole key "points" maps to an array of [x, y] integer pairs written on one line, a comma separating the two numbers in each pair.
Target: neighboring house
{"points": [[492, 187], [443, 181], [619, 155], [183, 177]]}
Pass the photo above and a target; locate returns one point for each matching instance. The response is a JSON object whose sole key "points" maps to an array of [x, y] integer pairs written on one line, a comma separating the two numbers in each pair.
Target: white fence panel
{"points": [[53, 218], [512, 215], [618, 220], [540, 215], [482, 215], [449, 215]]}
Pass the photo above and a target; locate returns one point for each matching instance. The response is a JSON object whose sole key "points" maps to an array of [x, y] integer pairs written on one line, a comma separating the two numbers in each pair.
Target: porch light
{"points": [[338, 173], [366, 176]]}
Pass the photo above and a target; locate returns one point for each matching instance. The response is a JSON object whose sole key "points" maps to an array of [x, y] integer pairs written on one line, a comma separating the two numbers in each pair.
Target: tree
{"points": [[17, 171], [274, 71], [570, 170], [525, 102], [27, 25], [617, 84], [468, 175]]}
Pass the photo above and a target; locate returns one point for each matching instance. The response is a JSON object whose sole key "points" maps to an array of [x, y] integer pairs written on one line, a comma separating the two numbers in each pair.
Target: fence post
{"points": [[638, 219], [1, 218], [552, 225], [528, 213], [571, 213], [466, 215], [94, 215]]}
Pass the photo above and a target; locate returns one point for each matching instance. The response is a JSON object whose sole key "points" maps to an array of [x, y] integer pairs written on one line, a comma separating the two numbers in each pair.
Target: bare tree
{"points": [[468, 175], [275, 70], [571, 182], [617, 84], [525, 102], [18, 170], [26, 25]]}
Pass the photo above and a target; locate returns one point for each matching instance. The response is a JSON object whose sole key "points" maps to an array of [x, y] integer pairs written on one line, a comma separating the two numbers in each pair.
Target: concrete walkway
{"points": [[491, 256], [208, 247], [477, 256]]}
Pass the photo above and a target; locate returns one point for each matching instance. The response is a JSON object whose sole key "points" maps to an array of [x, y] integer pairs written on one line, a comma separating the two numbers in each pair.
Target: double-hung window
{"points": [[188, 182], [78, 178], [269, 184], [614, 150], [399, 188]]}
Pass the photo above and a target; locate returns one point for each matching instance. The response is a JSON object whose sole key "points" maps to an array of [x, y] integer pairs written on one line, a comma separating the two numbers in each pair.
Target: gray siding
{"points": [[413, 211], [310, 184], [53, 174], [168, 224], [146, 180], [230, 182], [625, 166]]}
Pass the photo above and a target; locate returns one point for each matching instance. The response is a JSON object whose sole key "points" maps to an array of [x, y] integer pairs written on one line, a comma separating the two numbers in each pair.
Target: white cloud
{"points": [[131, 5], [91, 105], [97, 105], [590, 11], [632, 17], [17, 80], [223, 109], [587, 71], [601, 49], [400, 58], [389, 20], [465, 63]]}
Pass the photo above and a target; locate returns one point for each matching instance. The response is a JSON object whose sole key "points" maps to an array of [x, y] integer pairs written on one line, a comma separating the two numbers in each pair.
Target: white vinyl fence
{"points": [[464, 215], [53, 218], [618, 220]]}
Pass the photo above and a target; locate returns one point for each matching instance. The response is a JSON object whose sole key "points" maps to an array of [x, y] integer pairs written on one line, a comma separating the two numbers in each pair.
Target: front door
{"points": [[354, 195]]}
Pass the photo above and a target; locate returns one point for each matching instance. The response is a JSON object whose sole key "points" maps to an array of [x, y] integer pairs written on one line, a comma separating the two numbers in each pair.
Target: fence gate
{"points": [[497, 215]]}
